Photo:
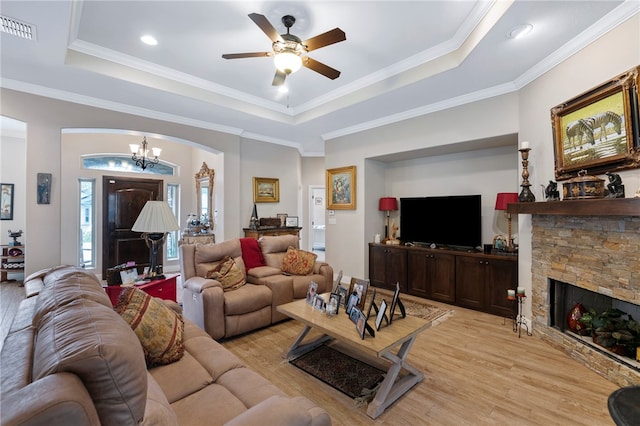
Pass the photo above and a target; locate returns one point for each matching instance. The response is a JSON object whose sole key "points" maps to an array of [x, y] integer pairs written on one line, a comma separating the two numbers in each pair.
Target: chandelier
{"points": [[140, 154]]}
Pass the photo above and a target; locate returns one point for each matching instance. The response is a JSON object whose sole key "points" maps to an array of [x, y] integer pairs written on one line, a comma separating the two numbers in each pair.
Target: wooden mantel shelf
{"points": [[597, 207]]}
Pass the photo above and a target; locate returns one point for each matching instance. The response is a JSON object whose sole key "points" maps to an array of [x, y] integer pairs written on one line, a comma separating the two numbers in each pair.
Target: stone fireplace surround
{"points": [[591, 244]]}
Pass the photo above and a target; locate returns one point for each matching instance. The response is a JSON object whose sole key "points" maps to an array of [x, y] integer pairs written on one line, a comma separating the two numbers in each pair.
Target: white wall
{"points": [[270, 161], [348, 237]]}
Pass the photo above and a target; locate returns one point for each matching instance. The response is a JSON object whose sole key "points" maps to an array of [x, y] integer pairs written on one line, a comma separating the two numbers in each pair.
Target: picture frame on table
{"points": [[344, 295], [396, 303], [598, 130], [341, 188], [354, 314], [283, 218], [336, 283], [334, 302], [128, 276], [361, 323], [351, 303], [6, 201], [312, 291], [382, 314], [291, 221], [319, 303], [360, 287], [266, 190]]}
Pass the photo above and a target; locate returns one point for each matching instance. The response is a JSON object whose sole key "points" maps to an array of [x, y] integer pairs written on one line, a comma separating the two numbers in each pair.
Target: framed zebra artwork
{"points": [[598, 130]]}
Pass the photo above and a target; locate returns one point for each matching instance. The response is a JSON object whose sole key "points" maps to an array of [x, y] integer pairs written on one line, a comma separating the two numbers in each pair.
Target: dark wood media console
{"points": [[469, 279]]}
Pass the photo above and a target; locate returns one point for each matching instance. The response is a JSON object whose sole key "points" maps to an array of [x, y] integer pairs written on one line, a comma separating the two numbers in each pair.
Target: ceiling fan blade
{"points": [[321, 68], [265, 25], [246, 55], [330, 37], [278, 79]]}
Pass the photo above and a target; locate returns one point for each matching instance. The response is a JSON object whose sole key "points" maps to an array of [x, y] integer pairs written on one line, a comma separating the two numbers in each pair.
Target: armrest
{"points": [[199, 284], [56, 399], [324, 269], [174, 306], [281, 410]]}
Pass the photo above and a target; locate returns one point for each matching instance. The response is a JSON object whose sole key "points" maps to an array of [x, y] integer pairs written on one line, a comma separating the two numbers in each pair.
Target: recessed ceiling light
{"points": [[150, 40], [519, 31], [283, 89]]}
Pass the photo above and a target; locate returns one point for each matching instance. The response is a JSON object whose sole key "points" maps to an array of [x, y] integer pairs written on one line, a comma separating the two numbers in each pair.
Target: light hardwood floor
{"points": [[477, 372]]}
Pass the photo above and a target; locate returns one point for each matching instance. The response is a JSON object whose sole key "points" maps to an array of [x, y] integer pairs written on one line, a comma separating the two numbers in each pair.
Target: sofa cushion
{"points": [[228, 274], [158, 410], [91, 341], [251, 253], [298, 262], [63, 285], [158, 327]]}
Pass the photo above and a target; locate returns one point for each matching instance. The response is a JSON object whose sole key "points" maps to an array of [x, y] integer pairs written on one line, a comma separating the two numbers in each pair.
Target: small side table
{"points": [[164, 289]]}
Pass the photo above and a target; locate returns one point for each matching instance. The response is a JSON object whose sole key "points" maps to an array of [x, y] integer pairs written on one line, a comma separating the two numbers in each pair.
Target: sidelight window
{"points": [[87, 243]]}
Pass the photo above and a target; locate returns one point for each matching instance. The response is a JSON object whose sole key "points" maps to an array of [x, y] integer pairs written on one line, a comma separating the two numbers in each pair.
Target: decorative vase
{"points": [[573, 318]]}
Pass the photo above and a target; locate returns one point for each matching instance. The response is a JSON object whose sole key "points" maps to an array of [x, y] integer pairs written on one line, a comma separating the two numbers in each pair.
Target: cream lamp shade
{"points": [[156, 217]]}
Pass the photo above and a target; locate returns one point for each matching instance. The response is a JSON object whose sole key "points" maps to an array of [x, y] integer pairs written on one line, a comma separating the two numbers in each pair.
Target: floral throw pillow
{"points": [[298, 262], [159, 328], [228, 273]]}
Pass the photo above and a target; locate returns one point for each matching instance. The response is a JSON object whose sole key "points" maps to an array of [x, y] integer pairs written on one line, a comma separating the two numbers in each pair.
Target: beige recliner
{"points": [[223, 314]]}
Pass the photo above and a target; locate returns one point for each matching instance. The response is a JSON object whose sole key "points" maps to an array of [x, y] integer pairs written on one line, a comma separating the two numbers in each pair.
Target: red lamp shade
{"points": [[505, 198], [388, 204]]}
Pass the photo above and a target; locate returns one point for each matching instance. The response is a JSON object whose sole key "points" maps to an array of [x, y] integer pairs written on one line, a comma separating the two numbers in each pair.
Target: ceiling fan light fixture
{"points": [[287, 61]]}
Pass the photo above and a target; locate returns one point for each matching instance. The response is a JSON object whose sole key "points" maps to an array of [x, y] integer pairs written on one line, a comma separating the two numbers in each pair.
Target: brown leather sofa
{"points": [[70, 359], [223, 314]]}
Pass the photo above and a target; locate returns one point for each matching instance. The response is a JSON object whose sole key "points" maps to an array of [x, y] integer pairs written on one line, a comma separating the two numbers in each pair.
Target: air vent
{"points": [[17, 28]]}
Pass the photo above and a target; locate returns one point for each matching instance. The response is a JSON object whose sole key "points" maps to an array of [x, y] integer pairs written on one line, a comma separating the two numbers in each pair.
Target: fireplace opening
{"points": [[565, 296]]}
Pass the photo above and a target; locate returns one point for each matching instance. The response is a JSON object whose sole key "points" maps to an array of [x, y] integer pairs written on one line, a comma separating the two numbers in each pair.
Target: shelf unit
{"points": [[11, 264]]}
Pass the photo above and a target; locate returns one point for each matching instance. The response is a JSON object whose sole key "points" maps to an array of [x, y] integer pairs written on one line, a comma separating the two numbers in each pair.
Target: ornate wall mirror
{"points": [[204, 193]]}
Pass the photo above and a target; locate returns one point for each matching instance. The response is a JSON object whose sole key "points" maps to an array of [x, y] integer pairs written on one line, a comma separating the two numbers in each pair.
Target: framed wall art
{"points": [[6, 201], [266, 190], [291, 221], [341, 188], [44, 188], [598, 130]]}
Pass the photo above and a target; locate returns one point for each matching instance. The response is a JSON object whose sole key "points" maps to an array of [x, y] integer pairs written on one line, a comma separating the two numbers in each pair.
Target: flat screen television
{"points": [[452, 221]]}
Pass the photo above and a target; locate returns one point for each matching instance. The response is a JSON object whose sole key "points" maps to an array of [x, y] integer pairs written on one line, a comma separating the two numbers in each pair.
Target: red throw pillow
{"points": [[251, 253]]}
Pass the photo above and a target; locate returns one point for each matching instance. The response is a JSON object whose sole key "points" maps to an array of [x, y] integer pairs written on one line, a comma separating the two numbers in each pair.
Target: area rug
{"points": [[413, 308], [350, 376]]}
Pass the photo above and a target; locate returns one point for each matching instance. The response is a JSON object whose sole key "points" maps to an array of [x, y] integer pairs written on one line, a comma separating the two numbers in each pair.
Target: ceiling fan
{"points": [[289, 52]]}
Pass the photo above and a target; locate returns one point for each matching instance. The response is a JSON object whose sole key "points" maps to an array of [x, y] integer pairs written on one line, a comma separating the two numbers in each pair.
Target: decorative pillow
{"points": [[159, 328], [251, 253], [298, 262], [230, 275]]}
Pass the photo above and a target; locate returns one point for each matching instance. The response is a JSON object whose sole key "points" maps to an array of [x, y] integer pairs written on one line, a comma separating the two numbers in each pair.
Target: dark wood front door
{"points": [[123, 200]]}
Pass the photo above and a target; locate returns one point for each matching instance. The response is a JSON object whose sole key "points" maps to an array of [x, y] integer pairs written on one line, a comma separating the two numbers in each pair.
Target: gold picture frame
{"points": [[341, 188], [266, 190], [598, 130]]}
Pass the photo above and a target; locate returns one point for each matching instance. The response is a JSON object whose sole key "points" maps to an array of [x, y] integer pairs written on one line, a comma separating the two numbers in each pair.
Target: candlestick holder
{"points": [[519, 320], [526, 196]]}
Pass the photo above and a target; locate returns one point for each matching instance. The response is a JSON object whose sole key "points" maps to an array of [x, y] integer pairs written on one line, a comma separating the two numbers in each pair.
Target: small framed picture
{"points": [[372, 305], [344, 295], [334, 304], [394, 302], [352, 303], [44, 188], [291, 221], [354, 314], [382, 314], [336, 283], [129, 276], [360, 287], [312, 291], [318, 303], [361, 323], [283, 218]]}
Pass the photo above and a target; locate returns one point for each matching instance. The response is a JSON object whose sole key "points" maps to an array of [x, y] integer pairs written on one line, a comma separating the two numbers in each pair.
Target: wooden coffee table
{"points": [[392, 343]]}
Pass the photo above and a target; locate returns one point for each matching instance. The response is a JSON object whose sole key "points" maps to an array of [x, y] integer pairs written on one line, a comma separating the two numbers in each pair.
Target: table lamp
{"points": [[387, 204], [154, 221], [502, 199]]}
